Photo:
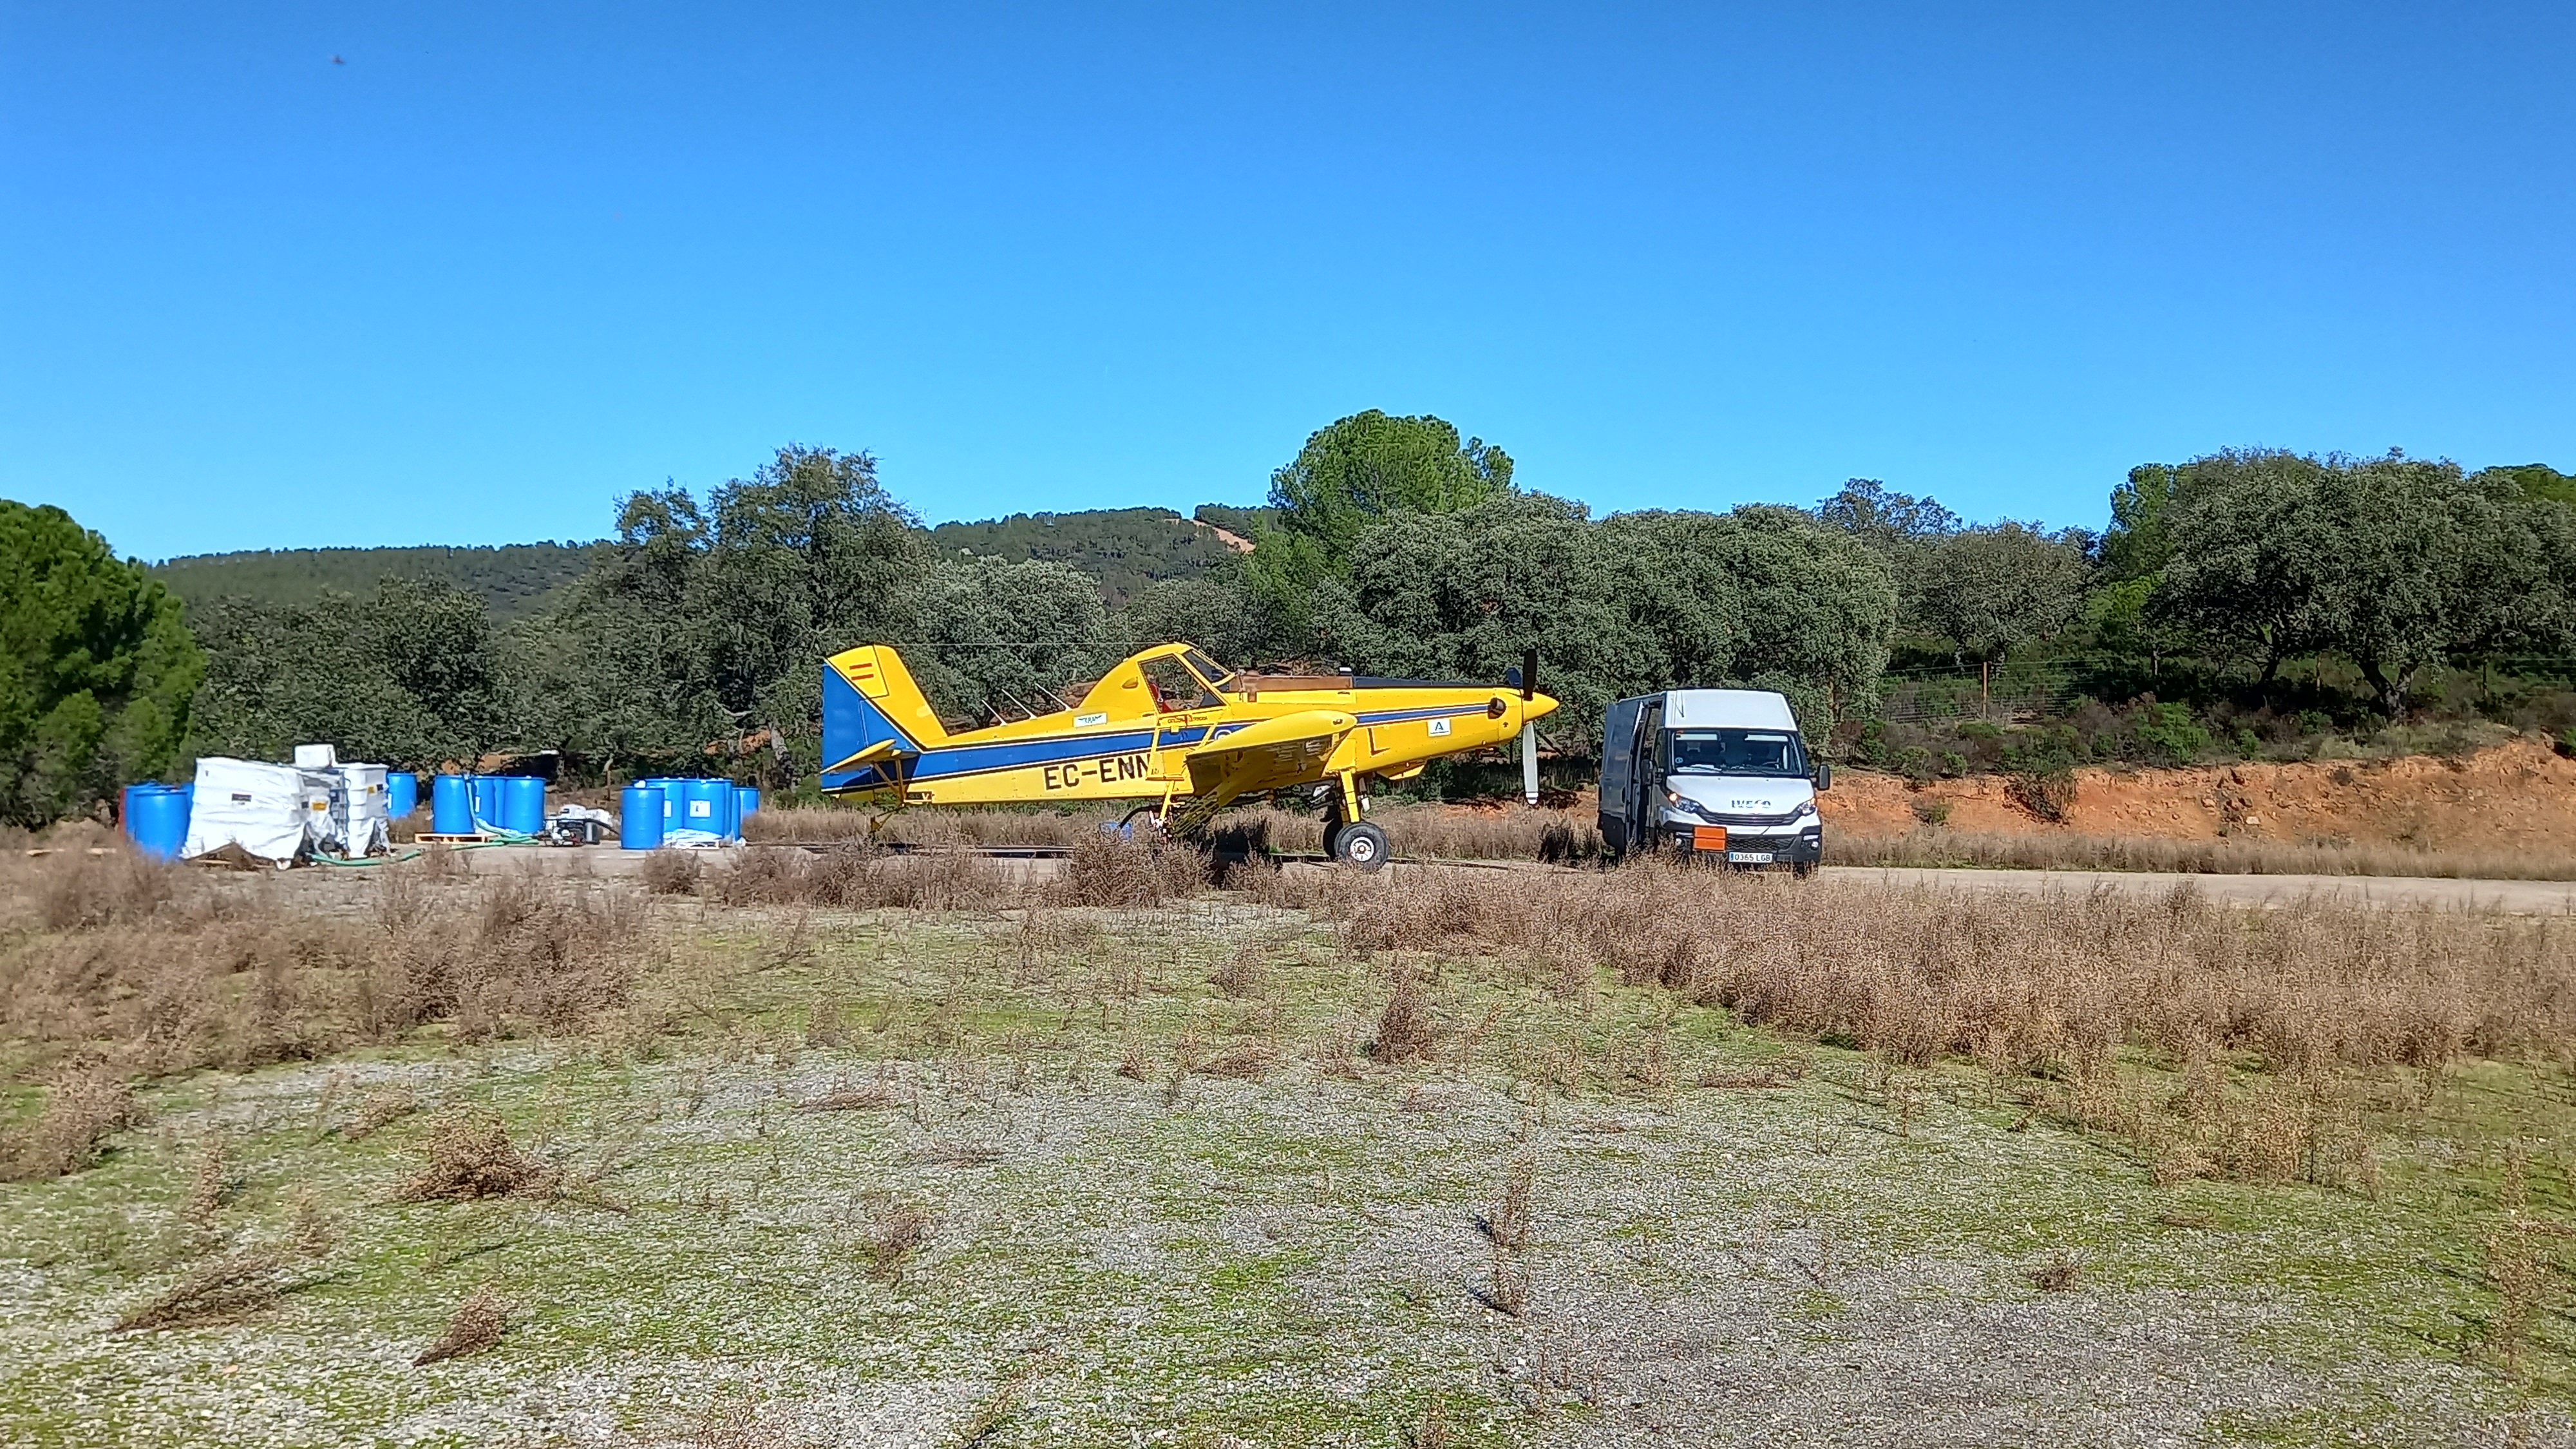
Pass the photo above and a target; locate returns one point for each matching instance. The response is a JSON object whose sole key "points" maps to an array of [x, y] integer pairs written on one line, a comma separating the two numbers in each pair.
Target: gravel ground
{"points": [[1307, 1258], [1296, 1261]]}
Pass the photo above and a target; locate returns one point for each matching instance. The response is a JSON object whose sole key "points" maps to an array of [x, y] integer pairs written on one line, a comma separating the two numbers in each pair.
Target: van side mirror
{"points": [[1824, 776]]}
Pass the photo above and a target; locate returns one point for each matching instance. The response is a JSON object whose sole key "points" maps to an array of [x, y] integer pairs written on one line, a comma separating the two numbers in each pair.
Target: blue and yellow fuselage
{"points": [[1165, 724]]}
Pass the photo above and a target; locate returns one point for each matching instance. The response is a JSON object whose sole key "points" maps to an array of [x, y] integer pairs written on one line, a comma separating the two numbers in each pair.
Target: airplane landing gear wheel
{"points": [[1333, 838], [1360, 845]]}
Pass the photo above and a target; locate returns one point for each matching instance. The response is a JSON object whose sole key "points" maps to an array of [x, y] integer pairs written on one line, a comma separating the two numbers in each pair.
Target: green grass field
{"points": [[1168, 1186]]}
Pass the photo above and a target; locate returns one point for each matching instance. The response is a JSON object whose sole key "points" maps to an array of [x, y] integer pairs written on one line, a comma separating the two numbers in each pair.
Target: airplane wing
{"points": [[1282, 751]]}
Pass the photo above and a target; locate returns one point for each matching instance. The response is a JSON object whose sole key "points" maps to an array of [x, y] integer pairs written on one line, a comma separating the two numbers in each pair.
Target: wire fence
{"points": [[2000, 695], [2019, 692]]}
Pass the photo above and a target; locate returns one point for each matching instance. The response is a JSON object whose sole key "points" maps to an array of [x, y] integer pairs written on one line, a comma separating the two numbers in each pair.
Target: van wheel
{"points": [[1802, 869], [1361, 845]]}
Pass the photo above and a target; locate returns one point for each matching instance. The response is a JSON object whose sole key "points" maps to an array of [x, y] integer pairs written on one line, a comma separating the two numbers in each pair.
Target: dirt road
{"points": [[2530, 897]]}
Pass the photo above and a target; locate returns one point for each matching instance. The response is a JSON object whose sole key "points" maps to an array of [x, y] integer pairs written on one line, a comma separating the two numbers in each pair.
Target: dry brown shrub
{"points": [[476, 1325], [1431, 1431], [672, 872], [1406, 1030], [1641, 1061], [1503, 831], [2040, 981], [82, 1110], [2235, 855], [77, 891], [2048, 795], [1115, 871], [826, 1025], [860, 877], [2067, 986], [315, 1232], [2517, 1268], [238, 974], [897, 1230], [1240, 974], [2057, 1275], [402, 901], [212, 1183], [1431, 907], [380, 1109], [1249, 1061], [1509, 1290], [1507, 1227], [471, 1156], [218, 1291]]}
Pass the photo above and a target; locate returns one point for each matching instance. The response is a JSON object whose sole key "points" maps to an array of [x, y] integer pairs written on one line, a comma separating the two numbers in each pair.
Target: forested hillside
{"points": [[510, 579], [1124, 548]]}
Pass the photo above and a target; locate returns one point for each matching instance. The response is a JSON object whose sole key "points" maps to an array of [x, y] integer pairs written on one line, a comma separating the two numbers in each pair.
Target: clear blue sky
{"points": [[502, 263]]}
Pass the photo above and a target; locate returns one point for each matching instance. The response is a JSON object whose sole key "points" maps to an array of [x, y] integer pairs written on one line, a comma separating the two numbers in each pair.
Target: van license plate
{"points": [[1748, 857]]}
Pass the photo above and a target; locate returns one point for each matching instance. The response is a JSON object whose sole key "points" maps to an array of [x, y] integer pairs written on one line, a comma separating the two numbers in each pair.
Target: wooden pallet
{"points": [[427, 838]]}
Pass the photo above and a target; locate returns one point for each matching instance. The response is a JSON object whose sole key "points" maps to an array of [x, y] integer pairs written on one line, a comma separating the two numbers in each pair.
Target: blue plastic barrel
{"points": [[402, 793], [157, 817], [672, 808], [451, 805], [523, 804], [746, 800], [707, 805], [487, 801], [639, 816], [125, 806]]}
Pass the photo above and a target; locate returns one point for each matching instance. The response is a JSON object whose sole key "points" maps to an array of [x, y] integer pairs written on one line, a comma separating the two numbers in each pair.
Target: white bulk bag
{"points": [[242, 802], [362, 818]]}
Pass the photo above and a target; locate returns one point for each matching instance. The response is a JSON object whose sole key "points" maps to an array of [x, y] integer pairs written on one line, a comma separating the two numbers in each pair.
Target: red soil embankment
{"points": [[2518, 795]]}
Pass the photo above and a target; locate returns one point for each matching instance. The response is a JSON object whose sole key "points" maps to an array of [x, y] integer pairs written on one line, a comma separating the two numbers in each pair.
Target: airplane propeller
{"points": [[1528, 673]]}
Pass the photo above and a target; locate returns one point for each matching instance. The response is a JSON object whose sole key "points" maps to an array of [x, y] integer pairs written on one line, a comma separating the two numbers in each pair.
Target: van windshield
{"points": [[1738, 752]]}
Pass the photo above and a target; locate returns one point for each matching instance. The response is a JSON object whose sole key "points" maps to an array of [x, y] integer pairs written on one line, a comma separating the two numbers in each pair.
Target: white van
{"points": [[1720, 774]]}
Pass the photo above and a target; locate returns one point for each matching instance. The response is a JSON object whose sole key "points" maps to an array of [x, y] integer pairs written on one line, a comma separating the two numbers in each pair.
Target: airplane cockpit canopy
{"points": [[1213, 674], [1175, 685]]}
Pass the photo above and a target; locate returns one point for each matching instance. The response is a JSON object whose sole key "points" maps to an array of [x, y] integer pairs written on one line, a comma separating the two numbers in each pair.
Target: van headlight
{"points": [[1805, 809]]}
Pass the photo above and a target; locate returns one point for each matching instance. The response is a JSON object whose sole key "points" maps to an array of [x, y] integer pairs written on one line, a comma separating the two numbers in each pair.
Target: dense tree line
{"points": [[97, 668], [2178, 631], [1392, 545]]}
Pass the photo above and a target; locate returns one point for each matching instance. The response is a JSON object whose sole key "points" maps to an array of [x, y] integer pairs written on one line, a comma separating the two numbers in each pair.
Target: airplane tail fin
{"points": [[874, 718]]}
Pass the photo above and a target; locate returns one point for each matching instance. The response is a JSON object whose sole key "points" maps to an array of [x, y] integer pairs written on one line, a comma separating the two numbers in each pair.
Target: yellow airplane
{"points": [[1168, 726]]}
